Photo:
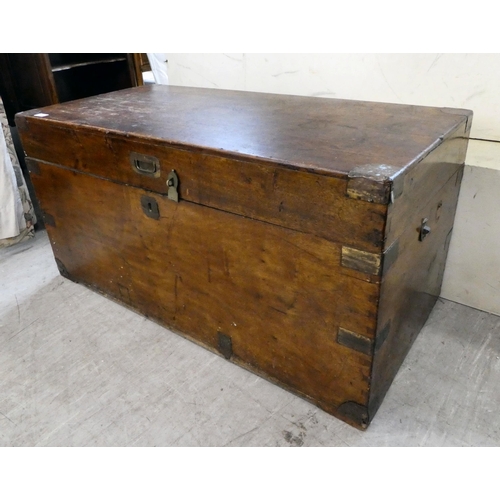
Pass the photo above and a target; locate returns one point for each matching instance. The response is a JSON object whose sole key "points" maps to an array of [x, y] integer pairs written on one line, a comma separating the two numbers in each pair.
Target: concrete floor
{"points": [[79, 370]]}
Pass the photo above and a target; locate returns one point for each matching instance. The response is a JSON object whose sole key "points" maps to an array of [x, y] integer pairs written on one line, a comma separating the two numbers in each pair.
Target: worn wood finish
{"points": [[263, 191], [294, 249], [422, 181], [279, 295], [332, 136], [411, 287], [29, 81]]}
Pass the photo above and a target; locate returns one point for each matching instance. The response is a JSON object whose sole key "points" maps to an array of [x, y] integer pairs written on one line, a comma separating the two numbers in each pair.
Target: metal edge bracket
{"points": [[353, 412], [354, 341], [374, 183], [225, 345], [359, 260]]}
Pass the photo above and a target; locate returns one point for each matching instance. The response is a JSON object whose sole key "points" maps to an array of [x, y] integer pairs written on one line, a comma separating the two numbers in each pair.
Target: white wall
{"points": [[472, 274], [454, 80], [469, 81]]}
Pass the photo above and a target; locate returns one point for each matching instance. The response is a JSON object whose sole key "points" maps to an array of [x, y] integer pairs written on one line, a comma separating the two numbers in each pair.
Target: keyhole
{"points": [[150, 207]]}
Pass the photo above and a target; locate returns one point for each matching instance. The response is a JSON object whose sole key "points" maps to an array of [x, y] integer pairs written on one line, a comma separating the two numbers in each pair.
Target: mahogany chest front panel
{"points": [[284, 233]]}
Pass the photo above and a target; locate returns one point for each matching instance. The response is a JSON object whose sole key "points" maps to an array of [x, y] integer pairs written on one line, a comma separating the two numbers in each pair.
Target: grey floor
{"points": [[79, 370]]}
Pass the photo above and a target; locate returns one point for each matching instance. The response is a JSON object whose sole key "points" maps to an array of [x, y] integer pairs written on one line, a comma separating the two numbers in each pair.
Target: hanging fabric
{"points": [[158, 63], [17, 216]]}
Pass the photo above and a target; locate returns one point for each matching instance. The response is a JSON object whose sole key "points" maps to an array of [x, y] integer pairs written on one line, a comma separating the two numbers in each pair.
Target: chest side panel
{"points": [[413, 274], [421, 182], [271, 299]]}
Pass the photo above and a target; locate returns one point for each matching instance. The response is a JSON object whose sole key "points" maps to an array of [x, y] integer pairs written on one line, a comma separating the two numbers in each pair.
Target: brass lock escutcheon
{"points": [[173, 186], [150, 207]]}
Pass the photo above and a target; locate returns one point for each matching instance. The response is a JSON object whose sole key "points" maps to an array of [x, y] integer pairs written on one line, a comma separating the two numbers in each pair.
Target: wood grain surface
{"points": [[412, 285], [299, 200], [295, 247], [333, 136], [280, 295]]}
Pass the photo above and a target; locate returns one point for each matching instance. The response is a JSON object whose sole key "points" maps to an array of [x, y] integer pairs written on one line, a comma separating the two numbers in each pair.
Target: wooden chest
{"points": [[302, 238]]}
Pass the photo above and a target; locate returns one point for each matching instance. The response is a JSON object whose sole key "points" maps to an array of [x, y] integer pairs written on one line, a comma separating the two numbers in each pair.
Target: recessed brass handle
{"points": [[145, 164]]}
